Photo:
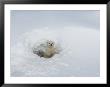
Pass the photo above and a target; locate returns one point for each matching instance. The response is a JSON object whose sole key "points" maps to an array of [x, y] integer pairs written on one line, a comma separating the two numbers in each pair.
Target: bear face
{"points": [[50, 43]]}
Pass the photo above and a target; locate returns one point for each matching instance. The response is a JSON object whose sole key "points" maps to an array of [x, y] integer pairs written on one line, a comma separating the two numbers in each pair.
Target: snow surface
{"points": [[80, 55]]}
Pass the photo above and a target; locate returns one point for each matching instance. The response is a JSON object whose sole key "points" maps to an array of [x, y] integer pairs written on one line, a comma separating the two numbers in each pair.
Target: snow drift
{"points": [[80, 55]]}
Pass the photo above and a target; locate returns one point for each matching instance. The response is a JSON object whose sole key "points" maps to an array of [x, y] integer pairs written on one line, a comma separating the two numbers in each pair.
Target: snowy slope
{"points": [[80, 55]]}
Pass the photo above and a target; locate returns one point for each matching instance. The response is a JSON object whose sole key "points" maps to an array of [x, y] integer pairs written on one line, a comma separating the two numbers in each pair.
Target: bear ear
{"points": [[49, 41]]}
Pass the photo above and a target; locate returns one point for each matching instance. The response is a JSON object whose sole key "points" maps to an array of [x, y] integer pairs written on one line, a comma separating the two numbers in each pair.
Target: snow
{"points": [[80, 55]]}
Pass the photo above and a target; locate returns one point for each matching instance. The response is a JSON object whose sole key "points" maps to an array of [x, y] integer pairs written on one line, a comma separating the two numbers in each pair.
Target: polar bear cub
{"points": [[46, 49]]}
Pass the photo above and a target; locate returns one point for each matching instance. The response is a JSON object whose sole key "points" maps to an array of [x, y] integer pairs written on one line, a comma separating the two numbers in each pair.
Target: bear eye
{"points": [[49, 43]]}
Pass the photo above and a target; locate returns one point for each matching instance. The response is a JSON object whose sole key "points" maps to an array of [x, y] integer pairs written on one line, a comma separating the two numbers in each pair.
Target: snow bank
{"points": [[80, 55]]}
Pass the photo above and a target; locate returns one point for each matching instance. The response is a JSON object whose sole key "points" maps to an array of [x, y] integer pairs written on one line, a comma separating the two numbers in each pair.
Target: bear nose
{"points": [[51, 44]]}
